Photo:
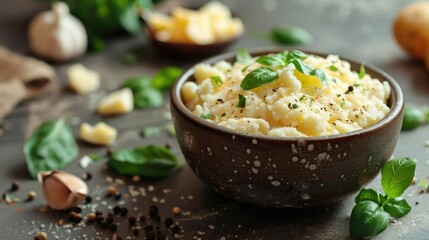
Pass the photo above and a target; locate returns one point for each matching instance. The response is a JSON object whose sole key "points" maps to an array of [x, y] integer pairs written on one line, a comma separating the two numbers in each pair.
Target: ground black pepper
{"points": [[88, 199], [14, 186], [168, 222], [116, 209], [132, 221], [175, 229], [124, 211], [142, 218]]}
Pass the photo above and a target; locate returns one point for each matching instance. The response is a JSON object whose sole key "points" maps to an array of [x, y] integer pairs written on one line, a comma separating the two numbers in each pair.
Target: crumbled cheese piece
{"points": [[118, 102], [100, 133], [82, 80]]}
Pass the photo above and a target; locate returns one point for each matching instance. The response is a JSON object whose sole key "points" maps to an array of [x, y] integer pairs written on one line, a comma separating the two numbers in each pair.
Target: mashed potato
{"points": [[294, 104]]}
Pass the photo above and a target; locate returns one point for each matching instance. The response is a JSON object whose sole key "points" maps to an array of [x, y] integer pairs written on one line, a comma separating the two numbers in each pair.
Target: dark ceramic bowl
{"points": [[290, 172]]}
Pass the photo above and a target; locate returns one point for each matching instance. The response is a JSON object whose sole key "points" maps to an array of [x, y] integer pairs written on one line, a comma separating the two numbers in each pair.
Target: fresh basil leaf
{"points": [[396, 175], [206, 116], [361, 71], [258, 77], [216, 80], [413, 118], [166, 77], [148, 132], [148, 98], [320, 74], [243, 56], [137, 83], [95, 157], [295, 54], [271, 60], [50, 147], [397, 207], [370, 195], [241, 101], [130, 19], [290, 35], [333, 68], [149, 161], [368, 219]]}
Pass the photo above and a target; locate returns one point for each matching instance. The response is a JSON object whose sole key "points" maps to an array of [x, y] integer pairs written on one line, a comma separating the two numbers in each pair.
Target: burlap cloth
{"points": [[21, 78]]}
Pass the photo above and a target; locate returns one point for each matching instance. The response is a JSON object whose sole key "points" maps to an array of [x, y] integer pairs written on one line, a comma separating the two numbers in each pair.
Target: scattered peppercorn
{"points": [[109, 214], [88, 199], [160, 236], [150, 236], [116, 209], [111, 191], [91, 217], [142, 218], [153, 211], [124, 211], [100, 219], [77, 209], [104, 225], [31, 195], [168, 145], [98, 213], [87, 176], [109, 219], [168, 222], [132, 221], [118, 195], [113, 227], [136, 231], [136, 178], [41, 236], [176, 210], [148, 228], [175, 229], [14, 186]]}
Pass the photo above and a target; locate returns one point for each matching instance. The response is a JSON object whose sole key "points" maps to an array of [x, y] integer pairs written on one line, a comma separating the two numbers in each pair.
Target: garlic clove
{"points": [[62, 190]]}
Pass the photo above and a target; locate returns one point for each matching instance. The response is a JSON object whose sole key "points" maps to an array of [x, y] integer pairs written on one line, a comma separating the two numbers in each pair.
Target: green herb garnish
{"points": [[361, 71], [95, 157], [290, 35], [206, 116], [165, 78], [243, 56], [258, 77], [271, 61], [216, 80], [150, 161], [145, 96], [50, 147], [307, 70], [370, 216], [333, 68], [413, 118], [148, 132], [241, 101], [343, 102], [171, 131]]}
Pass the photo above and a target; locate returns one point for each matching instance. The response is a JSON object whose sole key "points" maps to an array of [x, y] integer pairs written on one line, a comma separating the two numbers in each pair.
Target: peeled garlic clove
{"points": [[62, 190]]}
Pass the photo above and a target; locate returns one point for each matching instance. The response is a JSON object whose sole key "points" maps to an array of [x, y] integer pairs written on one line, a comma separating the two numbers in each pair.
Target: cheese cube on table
{"points": [[82, 80], [99, 134], [119, 102]]}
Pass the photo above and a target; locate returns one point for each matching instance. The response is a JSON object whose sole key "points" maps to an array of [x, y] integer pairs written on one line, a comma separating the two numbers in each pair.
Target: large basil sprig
{"points": [[150, 161], [51, 146], [264, 75], [371, 214]]}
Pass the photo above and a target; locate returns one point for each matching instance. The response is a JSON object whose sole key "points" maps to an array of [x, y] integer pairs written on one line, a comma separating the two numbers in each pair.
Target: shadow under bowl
{"points": [[292, 172]]}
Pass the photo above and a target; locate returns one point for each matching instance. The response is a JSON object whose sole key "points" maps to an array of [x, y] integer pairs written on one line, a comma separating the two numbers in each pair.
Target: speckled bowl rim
{"points": [[395, 109]]}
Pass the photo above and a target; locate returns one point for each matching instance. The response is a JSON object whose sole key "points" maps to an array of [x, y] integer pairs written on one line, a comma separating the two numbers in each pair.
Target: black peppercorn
{"points": [[153, 213], [116, 209], [168, 222], [142, 218], [98, 213], [14, 186], [132, 221], [148, 228], [124, 211], [118, 195], [109, 219], [100, 219], [175, 229], [88, 199]]}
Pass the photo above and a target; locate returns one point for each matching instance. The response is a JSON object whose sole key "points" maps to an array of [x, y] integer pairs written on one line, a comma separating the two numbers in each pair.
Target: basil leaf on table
{"points": [[413, 118], [397, 175], [149, 161], [51, 146], [369, 195], [166, 77], [148, 98], [397, 207], [137, 83], [243, 56], [290, 35], [368, 219], [258, 77]]}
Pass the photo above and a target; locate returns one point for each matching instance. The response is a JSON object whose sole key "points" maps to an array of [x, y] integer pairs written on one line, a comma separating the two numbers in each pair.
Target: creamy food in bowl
{"points": [[288, 94], [286, 129]]}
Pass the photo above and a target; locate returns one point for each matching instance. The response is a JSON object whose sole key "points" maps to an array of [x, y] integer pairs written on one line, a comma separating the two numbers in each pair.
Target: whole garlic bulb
{"points": [[62, 190], [57, 35]]}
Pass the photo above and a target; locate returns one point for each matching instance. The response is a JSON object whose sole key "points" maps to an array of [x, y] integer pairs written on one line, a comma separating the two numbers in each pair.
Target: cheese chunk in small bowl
{"points": [[284, 128], [191, 32]]}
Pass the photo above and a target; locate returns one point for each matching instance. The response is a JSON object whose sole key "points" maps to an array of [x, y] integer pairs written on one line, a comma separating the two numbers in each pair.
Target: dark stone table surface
{"points": [[359, 30]]}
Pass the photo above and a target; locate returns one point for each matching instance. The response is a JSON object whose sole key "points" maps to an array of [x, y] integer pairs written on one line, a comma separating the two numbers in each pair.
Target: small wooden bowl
{"points": [[290, 172], [188, 50]]}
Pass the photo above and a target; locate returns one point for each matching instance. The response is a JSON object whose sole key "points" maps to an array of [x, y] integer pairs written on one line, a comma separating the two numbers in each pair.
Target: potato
{"points": [[411, 29]]}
